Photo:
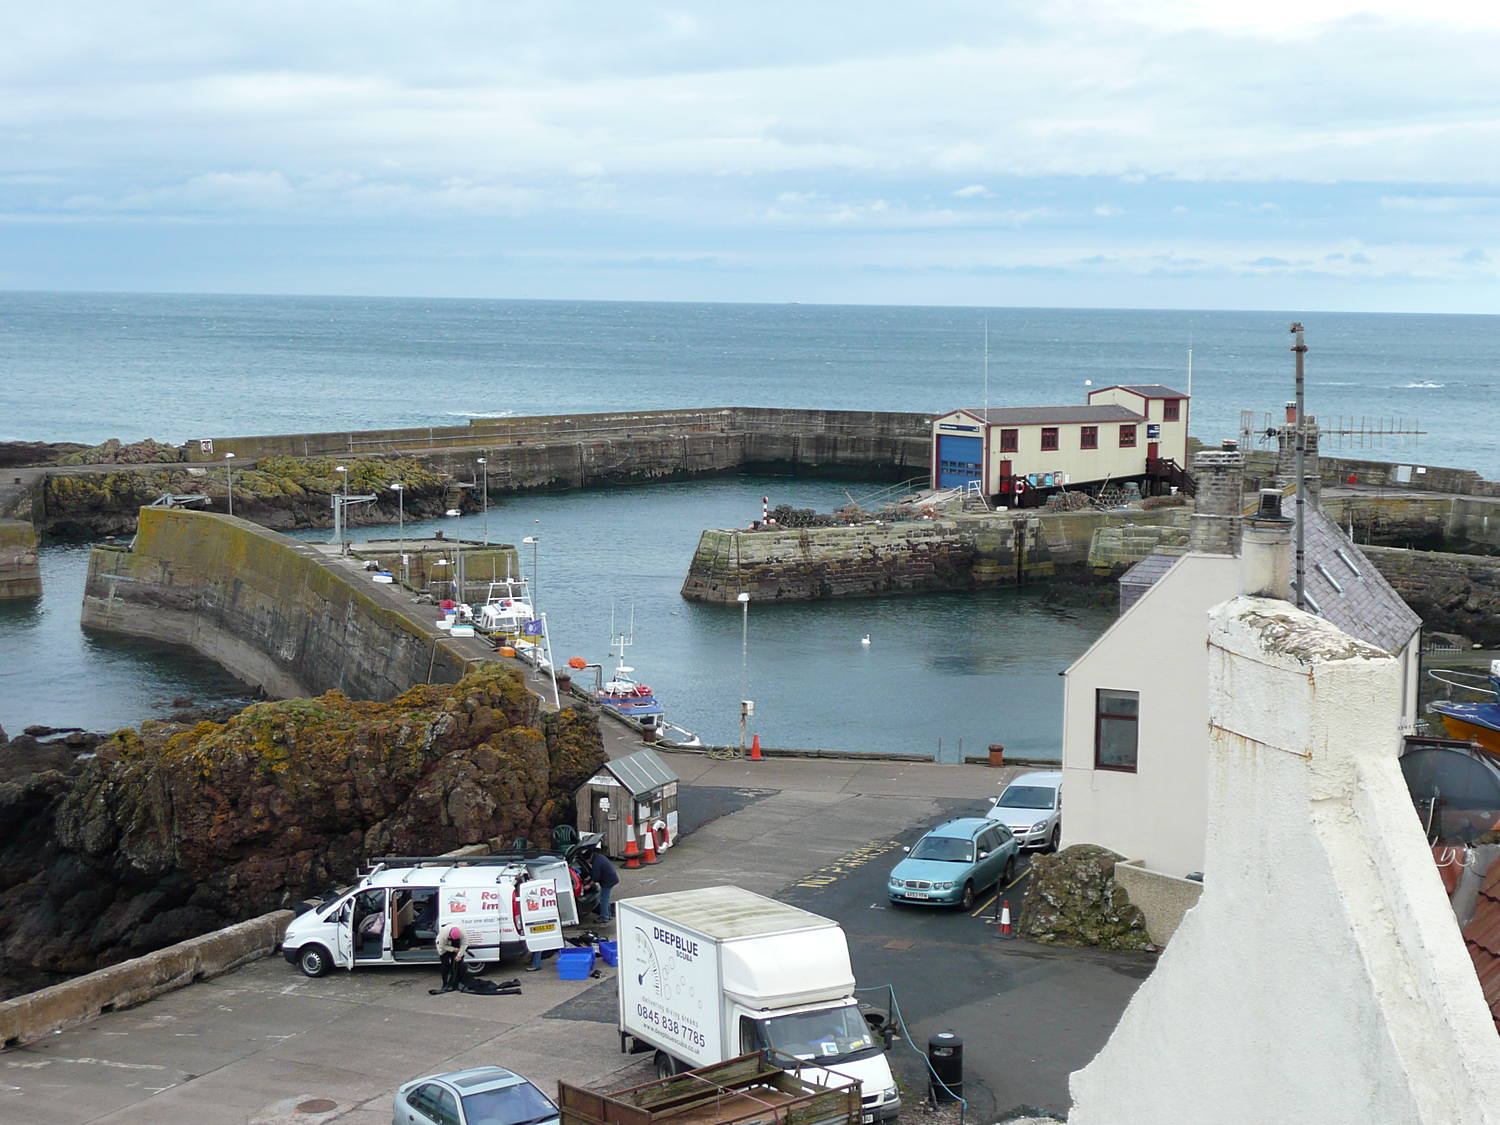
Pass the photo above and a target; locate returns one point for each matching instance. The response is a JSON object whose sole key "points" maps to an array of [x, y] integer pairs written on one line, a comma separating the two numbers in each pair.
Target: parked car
{"points": [[482, 1095], [1031, 807], [954, 862]]}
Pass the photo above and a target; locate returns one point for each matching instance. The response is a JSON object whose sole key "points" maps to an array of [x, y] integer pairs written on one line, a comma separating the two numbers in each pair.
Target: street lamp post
{"points": [[229, 469], [400, 491], [531, 586], [484, 496], [339, 525], [745, 704]]}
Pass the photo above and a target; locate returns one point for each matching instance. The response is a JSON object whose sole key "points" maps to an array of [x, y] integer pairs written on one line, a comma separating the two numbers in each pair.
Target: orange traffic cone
{"points": [[755, 749], [648, 845], [1005, 930], [632, 850]]}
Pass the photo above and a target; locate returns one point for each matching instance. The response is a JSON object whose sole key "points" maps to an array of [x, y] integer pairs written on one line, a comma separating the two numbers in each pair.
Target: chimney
{"points": [[1286, 453], [1220, 476], [1266, 550]]}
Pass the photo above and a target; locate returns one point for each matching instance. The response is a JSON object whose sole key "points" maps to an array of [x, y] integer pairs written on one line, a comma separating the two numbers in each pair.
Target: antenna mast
{"points": [[986, 370], [1300, 349]]}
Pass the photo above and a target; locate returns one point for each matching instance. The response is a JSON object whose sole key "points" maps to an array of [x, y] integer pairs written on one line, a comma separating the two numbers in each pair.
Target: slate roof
{"points": [[1149, 390], [641, 772], [1342, 585], [1142, 576], [1041, 415]]}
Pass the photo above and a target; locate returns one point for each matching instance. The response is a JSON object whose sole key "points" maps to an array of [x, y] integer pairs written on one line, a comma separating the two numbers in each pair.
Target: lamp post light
{"points": [[340, 525], [745, 705], [400, 490], [229, 469], [484, 496], [531, 586]]}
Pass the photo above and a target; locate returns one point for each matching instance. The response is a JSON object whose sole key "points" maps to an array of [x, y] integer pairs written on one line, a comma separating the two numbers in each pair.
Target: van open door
{"points": [[343, 938], [562, 877]]}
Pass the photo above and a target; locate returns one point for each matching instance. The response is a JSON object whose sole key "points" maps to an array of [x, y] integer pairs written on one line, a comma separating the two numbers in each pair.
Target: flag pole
{"points": [[551, 667]]}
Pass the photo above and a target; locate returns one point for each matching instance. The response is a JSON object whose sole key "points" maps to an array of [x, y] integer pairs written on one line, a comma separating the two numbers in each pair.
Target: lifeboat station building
{"points": [[1019, 455]]}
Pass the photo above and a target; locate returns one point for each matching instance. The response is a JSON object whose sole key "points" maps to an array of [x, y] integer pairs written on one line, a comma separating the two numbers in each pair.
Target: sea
{"points": [[943, 674]]}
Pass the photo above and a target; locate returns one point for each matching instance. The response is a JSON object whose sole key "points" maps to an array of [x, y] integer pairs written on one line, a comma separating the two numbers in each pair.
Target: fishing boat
{"points": [[627, 699], [1478, 721]]}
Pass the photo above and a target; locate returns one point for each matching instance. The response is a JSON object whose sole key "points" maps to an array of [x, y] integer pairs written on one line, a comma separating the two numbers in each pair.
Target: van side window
{"points": [[749, 1036]]}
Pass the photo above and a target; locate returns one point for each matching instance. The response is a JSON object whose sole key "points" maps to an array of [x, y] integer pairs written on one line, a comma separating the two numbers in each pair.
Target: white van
{"points": [[393, 915]]}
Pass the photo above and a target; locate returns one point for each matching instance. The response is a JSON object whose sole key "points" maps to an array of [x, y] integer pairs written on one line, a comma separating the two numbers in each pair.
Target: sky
{"points": [[1286, 154]]}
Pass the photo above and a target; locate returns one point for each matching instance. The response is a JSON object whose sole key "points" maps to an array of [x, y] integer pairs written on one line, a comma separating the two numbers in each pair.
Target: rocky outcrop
{"points": [[277, 492], [1073, 899], [170, 830], [17, 453], [116, 452]]}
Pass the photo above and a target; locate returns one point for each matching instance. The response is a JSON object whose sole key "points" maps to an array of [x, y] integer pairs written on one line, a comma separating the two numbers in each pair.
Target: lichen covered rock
{"points": [[116, 452], [1073, 899], [173, 829]]}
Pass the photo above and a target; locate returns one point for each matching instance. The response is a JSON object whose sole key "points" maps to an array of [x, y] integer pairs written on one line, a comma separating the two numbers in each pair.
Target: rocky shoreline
{"points": [[113, 845]]}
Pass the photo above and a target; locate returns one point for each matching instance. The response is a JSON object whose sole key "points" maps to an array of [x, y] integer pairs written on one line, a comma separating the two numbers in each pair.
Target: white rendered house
{"points": [[1135, 705]]}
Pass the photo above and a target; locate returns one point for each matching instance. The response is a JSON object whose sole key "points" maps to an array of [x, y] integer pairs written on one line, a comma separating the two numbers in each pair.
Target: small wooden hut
{"points": [[640, 789]]}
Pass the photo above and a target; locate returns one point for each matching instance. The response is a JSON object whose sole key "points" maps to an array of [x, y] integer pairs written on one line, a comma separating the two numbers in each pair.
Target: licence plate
{"points": [[866, 1118], [917, 894], [544, 928]]}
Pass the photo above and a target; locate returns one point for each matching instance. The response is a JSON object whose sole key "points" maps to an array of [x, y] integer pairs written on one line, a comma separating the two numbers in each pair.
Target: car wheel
{"points": [[967, 902], [1056, 838], [666, 1066], [1010, 872], [313, 960]]}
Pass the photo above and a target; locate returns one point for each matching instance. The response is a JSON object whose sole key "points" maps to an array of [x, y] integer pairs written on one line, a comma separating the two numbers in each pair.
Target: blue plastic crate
{"points": [[575, 964], [609, 953]]}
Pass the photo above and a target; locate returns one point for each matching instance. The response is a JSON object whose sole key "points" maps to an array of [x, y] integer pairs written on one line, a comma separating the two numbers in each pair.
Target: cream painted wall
{"points": [[1174, 435], [1156, 814], [1081, 465], [1321, 977]]}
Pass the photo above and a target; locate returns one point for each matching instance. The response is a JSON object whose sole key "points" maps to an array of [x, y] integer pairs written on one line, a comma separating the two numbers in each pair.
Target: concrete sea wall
{"points": [[273, 612], [961, 553], [20, 575]]}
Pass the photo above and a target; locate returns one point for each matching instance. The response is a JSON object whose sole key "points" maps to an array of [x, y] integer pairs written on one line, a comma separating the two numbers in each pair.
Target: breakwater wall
{"points": [[20, 574], [581, 450], [1435, 523], [273, 612], [964, 552]]}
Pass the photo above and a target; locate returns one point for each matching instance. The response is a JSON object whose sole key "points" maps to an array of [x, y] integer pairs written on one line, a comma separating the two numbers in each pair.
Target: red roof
{"points": [[1482, 937]]}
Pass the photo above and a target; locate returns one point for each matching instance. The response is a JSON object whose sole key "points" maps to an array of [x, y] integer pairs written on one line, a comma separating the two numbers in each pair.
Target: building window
{"points": [[1049, 438], [1088, 438], [1116, 723], [1127, 437], [1170, 408], [1010, 441]]}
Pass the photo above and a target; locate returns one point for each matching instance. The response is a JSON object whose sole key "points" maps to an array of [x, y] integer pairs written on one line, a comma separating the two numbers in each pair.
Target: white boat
{"points": [[505, 613], [631, 701]]}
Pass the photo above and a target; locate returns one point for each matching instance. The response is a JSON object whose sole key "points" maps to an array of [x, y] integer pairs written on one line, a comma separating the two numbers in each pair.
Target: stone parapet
{"points": [[20, 574], [1164, 899]]}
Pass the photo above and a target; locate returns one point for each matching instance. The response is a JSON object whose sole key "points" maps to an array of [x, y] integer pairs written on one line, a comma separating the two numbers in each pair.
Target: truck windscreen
{"points": [[824, 1037]]}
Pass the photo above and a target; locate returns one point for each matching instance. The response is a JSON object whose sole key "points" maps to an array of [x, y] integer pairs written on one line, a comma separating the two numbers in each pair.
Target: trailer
{"points": [[747, 1090]]}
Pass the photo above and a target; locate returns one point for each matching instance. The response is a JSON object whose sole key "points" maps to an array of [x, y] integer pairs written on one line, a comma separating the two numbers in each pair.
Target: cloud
{"points": [[1473, 257], [1108, 211], [973, 191]]}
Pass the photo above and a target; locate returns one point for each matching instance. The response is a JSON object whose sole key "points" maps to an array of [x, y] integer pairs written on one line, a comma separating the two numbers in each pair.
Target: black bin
{"points": [[945, 1051]]}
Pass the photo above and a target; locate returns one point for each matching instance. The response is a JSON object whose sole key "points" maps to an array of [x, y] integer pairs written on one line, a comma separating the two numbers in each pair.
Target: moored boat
{"points": [[1477, 721]]}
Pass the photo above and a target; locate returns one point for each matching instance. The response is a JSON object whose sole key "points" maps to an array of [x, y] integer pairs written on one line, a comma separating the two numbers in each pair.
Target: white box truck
{"points": [[710, 974]]}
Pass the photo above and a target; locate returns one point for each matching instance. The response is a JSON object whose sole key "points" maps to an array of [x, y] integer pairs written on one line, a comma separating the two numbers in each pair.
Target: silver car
{"points": [[483, 1095], [1031, 807]]}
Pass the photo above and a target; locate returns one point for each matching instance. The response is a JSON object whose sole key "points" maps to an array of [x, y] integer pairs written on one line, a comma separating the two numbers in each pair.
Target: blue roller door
{"points": [[958, 460]]}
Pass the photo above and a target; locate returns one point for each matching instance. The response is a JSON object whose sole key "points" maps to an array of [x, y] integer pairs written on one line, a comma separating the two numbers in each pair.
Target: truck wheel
{"points": [[967, 902], [666, 1065], [313, 960]]}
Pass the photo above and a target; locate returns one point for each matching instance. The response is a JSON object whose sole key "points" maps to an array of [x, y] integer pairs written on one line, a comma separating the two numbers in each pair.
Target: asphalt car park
{"points": [[1029, 1014]]}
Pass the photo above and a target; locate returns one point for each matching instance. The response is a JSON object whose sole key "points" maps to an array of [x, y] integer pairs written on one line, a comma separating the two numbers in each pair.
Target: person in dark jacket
{"points": [[607, 878], [452, 944]]}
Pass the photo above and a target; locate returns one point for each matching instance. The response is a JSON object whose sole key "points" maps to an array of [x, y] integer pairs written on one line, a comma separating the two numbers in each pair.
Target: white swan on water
{"points": [[865, 639]]}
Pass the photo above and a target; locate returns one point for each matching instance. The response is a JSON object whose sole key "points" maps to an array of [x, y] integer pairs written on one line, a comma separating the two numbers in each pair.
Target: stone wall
{"points": [[20, 576], [960, 553], [1451, 593], [272, 611], [1449, 523], [1435, 478]]}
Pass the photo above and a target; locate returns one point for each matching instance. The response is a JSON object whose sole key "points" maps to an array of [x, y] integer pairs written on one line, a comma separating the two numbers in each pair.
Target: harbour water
{"points": [[943, 673]]}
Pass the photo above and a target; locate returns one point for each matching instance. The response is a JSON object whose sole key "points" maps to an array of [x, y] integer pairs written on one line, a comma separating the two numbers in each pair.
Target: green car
{"points": [[954, 862]]}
